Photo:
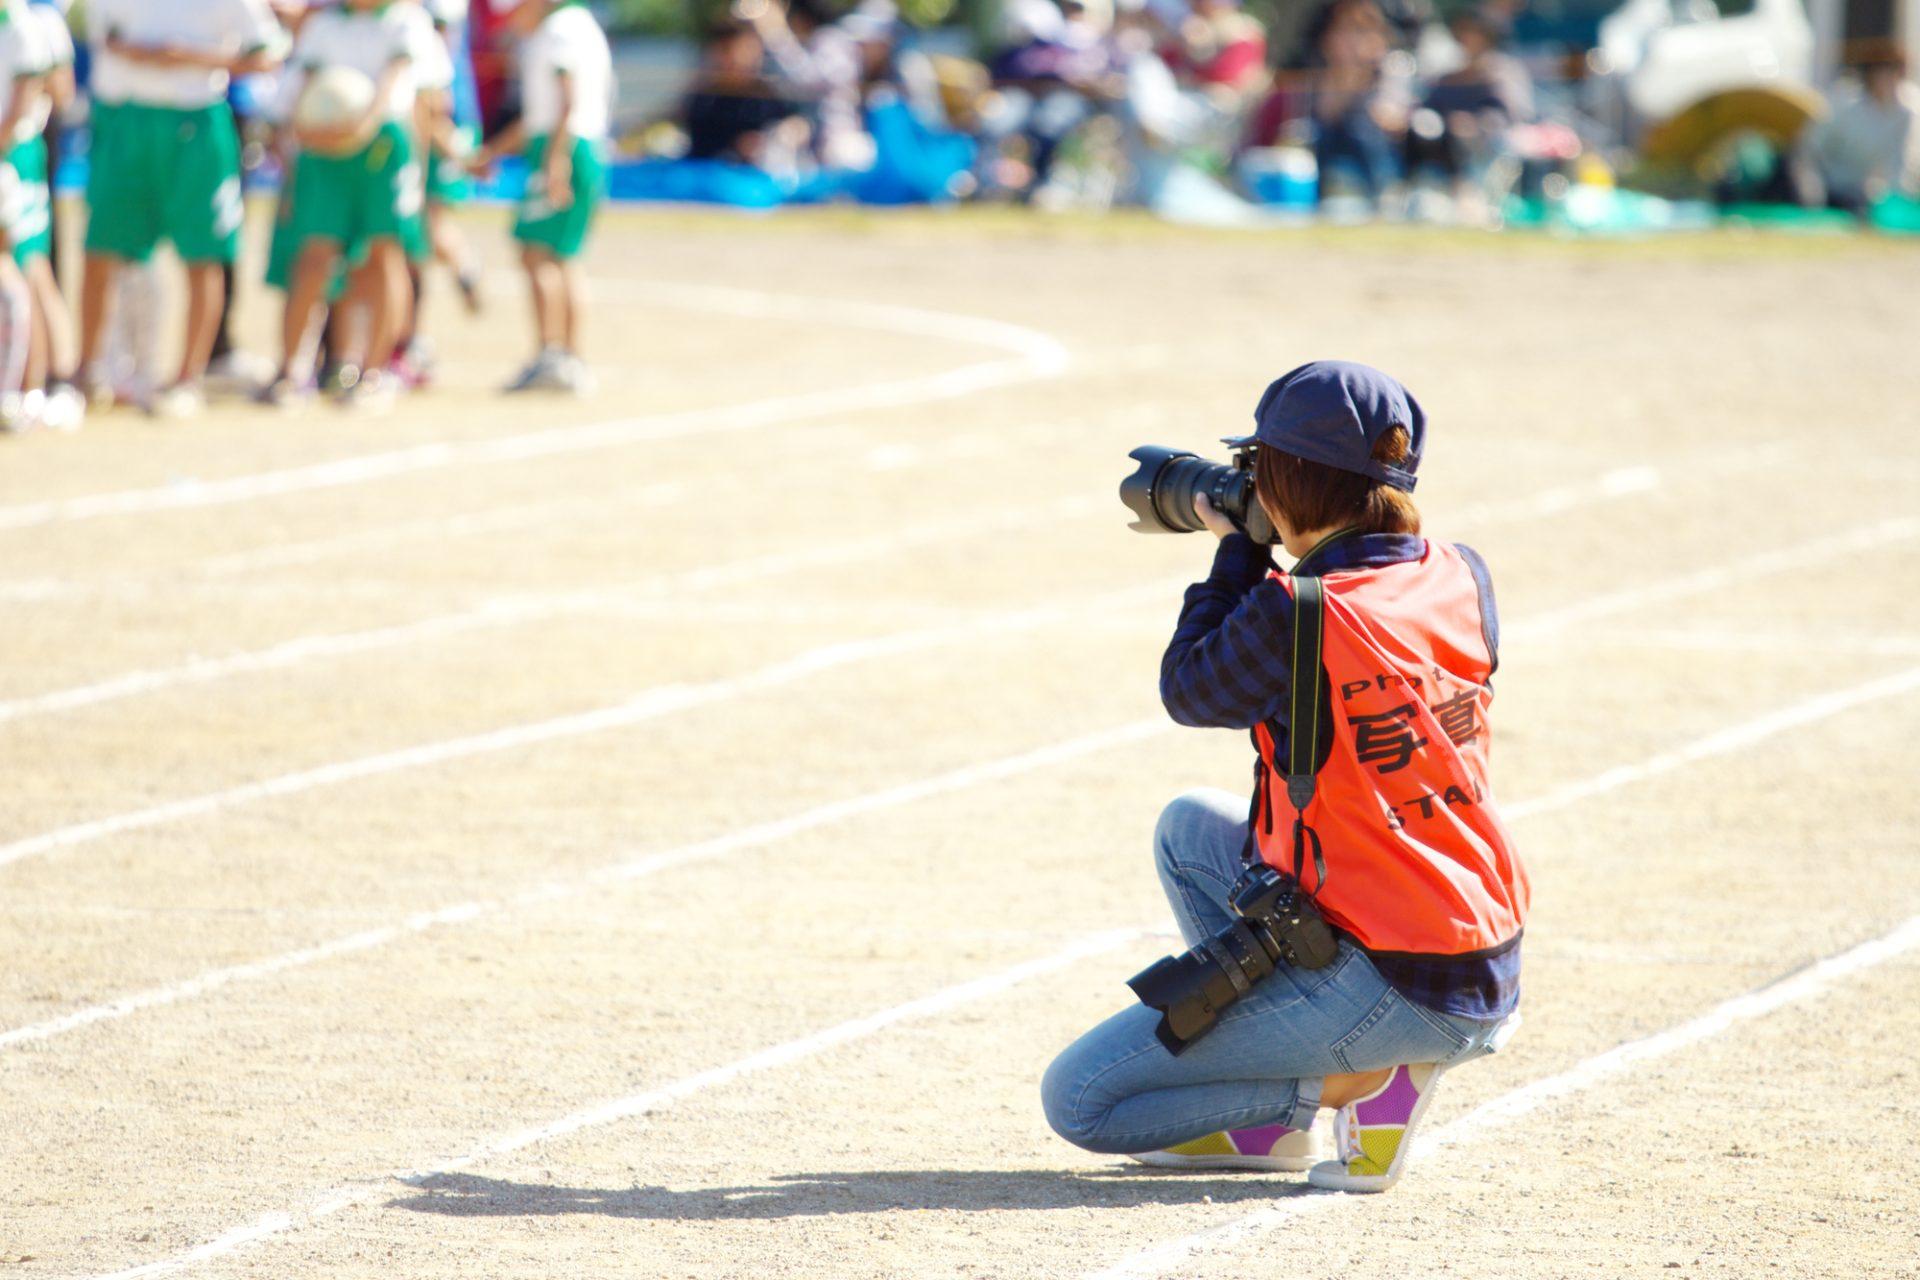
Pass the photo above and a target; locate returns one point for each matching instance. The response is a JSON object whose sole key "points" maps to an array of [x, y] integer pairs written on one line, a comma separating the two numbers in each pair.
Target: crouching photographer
{"points": [[1357, 933]]}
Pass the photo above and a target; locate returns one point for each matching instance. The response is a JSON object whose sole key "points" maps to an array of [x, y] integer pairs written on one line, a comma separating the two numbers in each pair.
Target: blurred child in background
{"points": [[356, 192], [448, 184], [24, 60], [443, 150], [566, 86], [50, 394], [166, 162]]}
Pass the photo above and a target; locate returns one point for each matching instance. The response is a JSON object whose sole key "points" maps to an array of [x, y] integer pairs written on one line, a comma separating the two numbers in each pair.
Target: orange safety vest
{"points": [[1417, 860]]}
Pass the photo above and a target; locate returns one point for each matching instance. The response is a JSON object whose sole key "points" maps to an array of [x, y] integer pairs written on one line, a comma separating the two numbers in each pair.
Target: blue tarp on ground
{"points": [[915, 164]]}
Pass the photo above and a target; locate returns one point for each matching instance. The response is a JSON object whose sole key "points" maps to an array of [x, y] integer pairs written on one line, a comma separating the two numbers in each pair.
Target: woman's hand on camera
{"points": [[1218, 525]]}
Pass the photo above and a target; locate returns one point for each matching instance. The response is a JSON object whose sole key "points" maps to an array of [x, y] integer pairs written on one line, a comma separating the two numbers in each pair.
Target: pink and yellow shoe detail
{"points": [[1374, 1134], [1269, 1148]]}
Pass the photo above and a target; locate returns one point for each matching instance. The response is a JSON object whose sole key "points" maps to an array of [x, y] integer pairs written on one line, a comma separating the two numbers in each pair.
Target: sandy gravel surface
{"points": [[677, 852]]}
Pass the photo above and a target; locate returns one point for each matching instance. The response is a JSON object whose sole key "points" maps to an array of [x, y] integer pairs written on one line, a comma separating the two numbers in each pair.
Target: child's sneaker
{"points": [[1372, 1135], [1272, 1147]]}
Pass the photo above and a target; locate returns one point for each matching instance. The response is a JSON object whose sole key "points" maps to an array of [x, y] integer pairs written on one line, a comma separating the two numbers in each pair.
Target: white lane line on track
{"points": [[1816, 551], [879, 459], [645, 1101], [1529, 1098], [1726, 740], [434, 753], [517, 610], [650, 704], [1797, 643], [1661, 590], [493, 519], [1030, 356], [1176, 1256], [633, 867]]}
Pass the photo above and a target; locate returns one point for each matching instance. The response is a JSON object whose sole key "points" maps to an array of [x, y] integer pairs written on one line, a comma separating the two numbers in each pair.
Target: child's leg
{"points": [[206, 301], [96, 298], [390, 294], [59, 318], [572, 302], [312, 272], [129, 361], [545, 284], [16, 325], [39, 340]]}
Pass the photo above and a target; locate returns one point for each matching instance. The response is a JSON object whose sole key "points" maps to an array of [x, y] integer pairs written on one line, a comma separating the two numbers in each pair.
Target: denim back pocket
{"points": [[1396, 1031]]}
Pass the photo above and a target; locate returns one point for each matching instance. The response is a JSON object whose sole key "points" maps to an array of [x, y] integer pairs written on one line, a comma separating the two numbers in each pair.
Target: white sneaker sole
{"points": [[1332, 1175], [1249, 1164]]}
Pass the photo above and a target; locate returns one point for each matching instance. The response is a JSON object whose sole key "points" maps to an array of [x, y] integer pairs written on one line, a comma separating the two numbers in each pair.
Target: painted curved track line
{"points": [[1027, 356]]}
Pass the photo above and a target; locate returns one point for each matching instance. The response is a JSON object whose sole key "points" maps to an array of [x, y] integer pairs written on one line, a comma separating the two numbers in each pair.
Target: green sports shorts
{"points": [[562, 232], [374, 194], [284, 248], [164, 173], [32, 229]]}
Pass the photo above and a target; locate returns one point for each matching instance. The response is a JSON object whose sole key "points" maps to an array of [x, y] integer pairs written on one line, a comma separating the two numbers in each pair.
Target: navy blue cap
{"points": [[1333, 411]]}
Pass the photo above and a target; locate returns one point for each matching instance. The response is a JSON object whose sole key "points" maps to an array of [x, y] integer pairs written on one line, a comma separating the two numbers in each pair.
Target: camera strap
{"points": [[1303, 721]]}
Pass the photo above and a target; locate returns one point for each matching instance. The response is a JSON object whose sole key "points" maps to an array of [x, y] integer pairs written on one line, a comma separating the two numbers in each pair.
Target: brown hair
{"points": [[1312, 495]]}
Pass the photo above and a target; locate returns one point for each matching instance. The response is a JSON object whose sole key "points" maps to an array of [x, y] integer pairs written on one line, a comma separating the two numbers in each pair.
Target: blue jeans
{"points": [[1116, 1089]]}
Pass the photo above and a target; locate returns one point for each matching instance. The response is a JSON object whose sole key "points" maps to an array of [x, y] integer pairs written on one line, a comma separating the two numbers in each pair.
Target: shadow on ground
{"points": [[803, 1195]]}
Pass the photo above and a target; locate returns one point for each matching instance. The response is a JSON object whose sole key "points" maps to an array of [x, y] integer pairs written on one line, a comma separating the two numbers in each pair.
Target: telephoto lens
{"points": [[1277, 924], [1161, 490]]}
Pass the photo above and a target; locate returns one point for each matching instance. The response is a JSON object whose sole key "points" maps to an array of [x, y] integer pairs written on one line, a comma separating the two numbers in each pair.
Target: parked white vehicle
{"points": [[1671, 54]]}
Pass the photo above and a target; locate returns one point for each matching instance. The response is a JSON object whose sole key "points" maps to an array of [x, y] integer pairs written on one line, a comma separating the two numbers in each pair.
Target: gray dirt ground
{"points": [[1691, 465]]}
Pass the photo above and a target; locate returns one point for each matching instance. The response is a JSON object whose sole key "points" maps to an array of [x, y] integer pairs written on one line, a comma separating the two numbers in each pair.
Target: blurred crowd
{"points": [[359, 116], [370, 120], [1373, 106]]}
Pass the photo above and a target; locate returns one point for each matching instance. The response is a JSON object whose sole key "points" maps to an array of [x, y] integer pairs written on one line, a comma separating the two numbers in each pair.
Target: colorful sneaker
{"points": [[1272, 1147], [1373, 1134]]}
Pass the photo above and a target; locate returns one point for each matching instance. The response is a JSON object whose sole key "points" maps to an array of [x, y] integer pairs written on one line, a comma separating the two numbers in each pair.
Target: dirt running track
{"points": [[667, 835]]}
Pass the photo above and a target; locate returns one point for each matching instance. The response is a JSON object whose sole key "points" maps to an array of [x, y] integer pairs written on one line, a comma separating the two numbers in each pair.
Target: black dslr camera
{"points": [[1277, 923], [1161, 490]]}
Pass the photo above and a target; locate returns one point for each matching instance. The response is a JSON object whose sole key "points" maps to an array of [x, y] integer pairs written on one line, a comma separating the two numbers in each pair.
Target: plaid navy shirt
{"points": [[1229, 666]]}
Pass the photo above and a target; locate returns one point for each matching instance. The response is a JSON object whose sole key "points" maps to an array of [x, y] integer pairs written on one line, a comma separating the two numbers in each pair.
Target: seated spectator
{"points": [[1870, 146], [1220, 51], [1357, 104], [1046, 84], [732, 112], [1407, 19], [817, 64], [1464, 112]]}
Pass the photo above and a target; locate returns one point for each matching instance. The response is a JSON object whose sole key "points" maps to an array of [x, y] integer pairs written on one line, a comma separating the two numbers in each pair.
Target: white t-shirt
{"points": [[433, 68], [23, 52], [59, 42], [568, 42], [232, 27], [369, 41]]}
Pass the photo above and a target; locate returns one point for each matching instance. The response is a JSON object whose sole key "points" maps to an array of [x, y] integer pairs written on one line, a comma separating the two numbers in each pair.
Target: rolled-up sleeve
{"points": [[1227, 666]]}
